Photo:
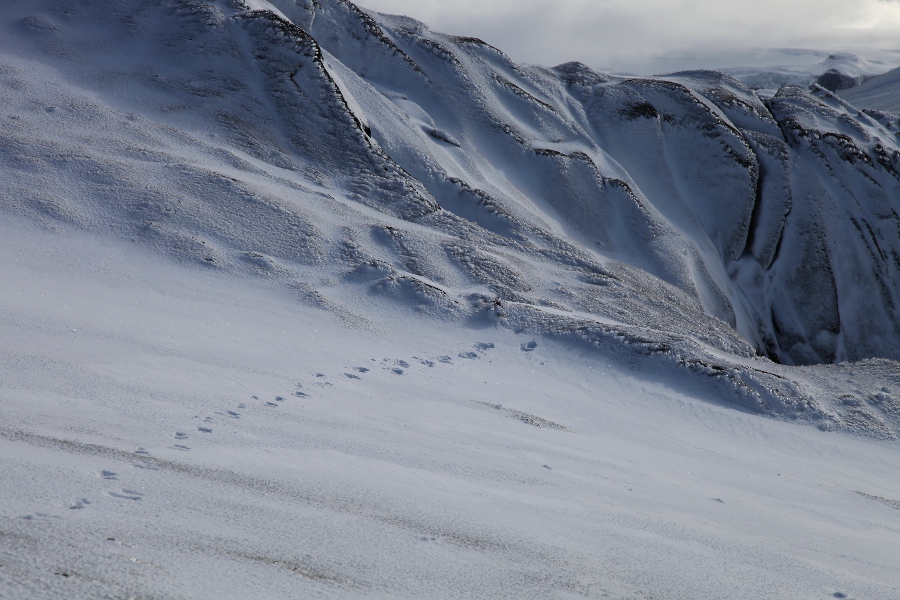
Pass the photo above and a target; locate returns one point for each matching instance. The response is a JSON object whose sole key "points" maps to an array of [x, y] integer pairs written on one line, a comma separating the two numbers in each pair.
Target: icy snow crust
{"points": [[381, 193]]}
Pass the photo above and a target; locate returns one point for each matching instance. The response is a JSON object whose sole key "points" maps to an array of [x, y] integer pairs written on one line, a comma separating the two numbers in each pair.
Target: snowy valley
{"points": [[306, 300]]}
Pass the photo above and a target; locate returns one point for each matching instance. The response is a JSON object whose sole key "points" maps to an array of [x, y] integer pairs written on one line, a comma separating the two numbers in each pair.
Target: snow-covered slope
{"points": [[561, 187], [168, 431], [304, 299], [347, 154], [879, 93]]}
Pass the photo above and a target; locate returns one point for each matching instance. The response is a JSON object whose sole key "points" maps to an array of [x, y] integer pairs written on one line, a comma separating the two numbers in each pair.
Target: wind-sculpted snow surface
{"points": [[302, 300], [361, 158]]}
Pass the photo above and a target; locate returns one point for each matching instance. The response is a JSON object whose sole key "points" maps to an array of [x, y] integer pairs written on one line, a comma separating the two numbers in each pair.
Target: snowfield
{"points": [[172, 432], [879, 93], [303, 300]]}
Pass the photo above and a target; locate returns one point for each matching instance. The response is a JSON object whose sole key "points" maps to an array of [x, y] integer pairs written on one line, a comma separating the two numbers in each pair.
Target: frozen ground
{"points": [[303, 300]]}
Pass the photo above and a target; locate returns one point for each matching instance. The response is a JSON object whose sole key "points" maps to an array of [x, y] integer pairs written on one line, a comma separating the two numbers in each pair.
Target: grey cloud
{"points": [[654, 35]]}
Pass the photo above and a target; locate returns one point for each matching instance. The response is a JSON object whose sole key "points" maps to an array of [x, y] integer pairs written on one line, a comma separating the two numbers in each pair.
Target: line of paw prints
{"points": [[398, 366]]}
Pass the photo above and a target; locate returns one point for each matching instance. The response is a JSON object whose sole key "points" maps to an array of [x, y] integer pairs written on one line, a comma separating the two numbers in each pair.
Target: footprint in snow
{"points": [[109, 475], [397, 371], [180, 436], [445, 359], [361, 369], [300, 394], [79, 504], [469, 355], [39, 515], [484, 346], [321, 380], [180, 447], [279, 399], [271, 404], [144, 467], [204, 429], [127, 495], [528, 346], [233, 414], [351, 376]]}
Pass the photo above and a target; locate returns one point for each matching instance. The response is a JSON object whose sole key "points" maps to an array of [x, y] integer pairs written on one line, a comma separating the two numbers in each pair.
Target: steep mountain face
{"points": [[361, 157]]}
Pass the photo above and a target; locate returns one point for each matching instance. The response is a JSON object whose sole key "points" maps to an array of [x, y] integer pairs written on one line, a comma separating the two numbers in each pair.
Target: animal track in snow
{"points": [[126, 495], [39, 515], [79, 504], [320, 380], [388, 365]]}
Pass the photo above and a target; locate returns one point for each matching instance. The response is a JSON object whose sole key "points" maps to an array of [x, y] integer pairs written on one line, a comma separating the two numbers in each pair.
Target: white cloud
{"points": [[647, 35]]}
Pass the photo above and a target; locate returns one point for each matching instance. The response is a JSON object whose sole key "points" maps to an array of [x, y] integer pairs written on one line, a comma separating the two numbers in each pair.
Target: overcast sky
{"points": [[648, 36]]}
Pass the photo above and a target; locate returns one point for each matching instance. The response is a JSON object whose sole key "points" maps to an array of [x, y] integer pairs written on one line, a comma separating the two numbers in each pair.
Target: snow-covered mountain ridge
{"points": [[301, 300], [357, 157], [775, 68]]}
